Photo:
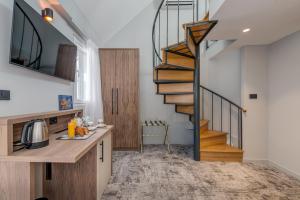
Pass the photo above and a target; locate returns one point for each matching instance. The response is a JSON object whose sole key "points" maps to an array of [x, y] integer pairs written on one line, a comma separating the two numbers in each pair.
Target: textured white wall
{"points": [[30, 91], [284, 103]]}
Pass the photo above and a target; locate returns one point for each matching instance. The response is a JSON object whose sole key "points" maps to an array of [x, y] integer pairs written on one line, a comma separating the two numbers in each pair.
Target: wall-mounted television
{"points": [[39, 46]]}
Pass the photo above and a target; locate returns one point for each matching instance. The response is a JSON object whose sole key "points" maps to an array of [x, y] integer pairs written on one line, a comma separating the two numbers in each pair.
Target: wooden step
{"points": [[203, 126], [185, 109], [173, 75], [212, 138], [199, 29], [178, 60], [173, 67], [180, 48], [223, 153], [184, 99], [175, 88]]}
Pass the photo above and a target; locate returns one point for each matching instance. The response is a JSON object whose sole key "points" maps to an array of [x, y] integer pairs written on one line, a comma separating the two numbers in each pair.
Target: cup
{"points": [[71, 129]]}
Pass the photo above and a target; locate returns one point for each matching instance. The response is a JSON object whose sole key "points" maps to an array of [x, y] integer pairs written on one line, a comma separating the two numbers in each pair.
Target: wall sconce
{"points": [[47, 14]]}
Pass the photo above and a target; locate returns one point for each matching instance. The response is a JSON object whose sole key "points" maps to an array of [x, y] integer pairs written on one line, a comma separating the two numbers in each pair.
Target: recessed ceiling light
{"points": [[246, 30]]}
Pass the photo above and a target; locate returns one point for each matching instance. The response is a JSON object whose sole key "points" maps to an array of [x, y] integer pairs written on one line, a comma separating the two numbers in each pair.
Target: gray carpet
{"points": [[155, 174]]}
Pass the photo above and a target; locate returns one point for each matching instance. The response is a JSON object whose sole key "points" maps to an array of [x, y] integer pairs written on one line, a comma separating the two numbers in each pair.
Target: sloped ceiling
{"points": [[109, 16]]}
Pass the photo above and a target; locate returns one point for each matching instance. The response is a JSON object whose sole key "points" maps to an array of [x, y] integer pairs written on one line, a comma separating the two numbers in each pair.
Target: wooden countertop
{"points": [[59, 151]]}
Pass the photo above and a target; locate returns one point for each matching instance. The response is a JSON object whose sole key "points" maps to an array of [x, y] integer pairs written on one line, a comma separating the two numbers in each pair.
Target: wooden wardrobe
{"points": [[120, 93]]}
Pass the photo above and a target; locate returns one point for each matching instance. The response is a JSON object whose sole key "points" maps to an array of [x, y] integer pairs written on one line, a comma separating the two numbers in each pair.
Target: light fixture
{"points": [[246, 30], [47, 14]]}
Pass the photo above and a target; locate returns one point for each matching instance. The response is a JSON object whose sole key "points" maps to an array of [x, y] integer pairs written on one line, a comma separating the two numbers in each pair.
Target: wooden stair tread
{"points": [[221, 148], [179, 48], [173, 67], [200, 29], [203, 122], [171, 81], [209, 134]]}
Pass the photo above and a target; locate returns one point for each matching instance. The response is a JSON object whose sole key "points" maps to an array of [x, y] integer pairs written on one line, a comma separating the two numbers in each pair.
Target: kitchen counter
{"points": [[58, 151]]}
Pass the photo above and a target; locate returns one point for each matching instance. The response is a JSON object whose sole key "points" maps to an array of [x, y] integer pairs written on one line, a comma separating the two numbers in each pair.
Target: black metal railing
{"points": [[224, 115], [168, 19], [33, 57]]}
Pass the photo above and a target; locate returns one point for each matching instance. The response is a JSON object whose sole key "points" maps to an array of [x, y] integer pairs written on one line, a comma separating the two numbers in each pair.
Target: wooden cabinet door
{"points": [[120, 92], [127, 97], [108, 65]]}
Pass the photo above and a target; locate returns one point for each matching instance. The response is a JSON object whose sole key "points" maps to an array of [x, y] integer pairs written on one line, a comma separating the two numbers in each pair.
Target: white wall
{"points": [[284, 103], [254, 81], [222, 74], [30, 91]]}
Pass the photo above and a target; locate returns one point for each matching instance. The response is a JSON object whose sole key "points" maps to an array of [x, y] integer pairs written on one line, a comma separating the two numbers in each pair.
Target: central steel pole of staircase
{"points": [[197, 105]]}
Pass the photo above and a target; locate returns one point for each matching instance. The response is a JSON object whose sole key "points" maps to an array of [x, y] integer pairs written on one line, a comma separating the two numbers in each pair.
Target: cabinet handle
{"points": [[117, 101], [48, 171], [102, 151]]}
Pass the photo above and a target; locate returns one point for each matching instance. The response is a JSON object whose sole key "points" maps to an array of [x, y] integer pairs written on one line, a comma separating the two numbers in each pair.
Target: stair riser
{"points": [[204, 128], [185, 109], [179, 60], [221, 156], [179, 99], [175, 88], [173, 75], [217, 140]]}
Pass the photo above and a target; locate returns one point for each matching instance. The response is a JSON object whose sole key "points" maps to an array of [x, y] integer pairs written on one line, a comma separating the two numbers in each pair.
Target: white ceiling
{"points": [[109, 16], [269, 20]]}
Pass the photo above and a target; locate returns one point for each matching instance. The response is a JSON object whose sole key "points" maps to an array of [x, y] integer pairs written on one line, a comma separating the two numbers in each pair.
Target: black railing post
{"points": [[212, 111], [159, 52], [167, 30], [203, 103], [230, 122], [193, 11], [221, 115], [197, 105], [242, 129], [197, 10], [178, 21]]}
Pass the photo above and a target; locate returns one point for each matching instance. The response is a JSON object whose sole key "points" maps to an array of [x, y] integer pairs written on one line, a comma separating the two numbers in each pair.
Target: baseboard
{"points": [[285, 170]]}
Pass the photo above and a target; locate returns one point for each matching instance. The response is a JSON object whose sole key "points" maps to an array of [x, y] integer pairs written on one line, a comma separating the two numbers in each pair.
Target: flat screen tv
{"points": [[39, 46]]}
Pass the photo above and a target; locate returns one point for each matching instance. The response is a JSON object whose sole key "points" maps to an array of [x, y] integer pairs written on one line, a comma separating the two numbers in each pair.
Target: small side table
{"points": [[155, 123]]}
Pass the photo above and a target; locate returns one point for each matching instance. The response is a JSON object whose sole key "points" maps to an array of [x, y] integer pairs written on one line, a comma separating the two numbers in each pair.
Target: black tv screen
{"points": [[38, 46]]}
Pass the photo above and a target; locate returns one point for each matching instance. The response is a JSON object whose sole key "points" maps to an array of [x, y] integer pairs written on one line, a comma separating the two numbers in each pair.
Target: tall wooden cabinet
{"points": [[120, 92]]}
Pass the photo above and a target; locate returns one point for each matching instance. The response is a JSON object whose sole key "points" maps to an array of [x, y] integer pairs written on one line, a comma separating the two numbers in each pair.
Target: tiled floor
{"points": [[157, 175]]}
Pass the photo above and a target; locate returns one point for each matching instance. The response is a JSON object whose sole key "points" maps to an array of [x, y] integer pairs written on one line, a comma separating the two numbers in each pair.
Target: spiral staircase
{"points": [[176, 73]]}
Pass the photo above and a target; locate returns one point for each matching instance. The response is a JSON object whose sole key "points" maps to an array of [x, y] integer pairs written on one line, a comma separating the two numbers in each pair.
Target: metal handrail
{"points": [[231, 104], [224, 98]]}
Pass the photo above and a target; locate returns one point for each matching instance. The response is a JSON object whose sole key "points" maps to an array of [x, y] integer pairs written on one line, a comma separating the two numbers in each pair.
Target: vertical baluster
{"points": [[212, 111], [159, 50], [241, 129], [167, 30], [202, 103], [221, 115], [193, 3], [178, 21], [230, 123], [197, 10], [238, 129]]}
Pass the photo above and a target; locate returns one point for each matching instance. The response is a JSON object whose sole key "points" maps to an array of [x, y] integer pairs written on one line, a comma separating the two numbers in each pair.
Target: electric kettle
{"points": [[35, 134]]}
